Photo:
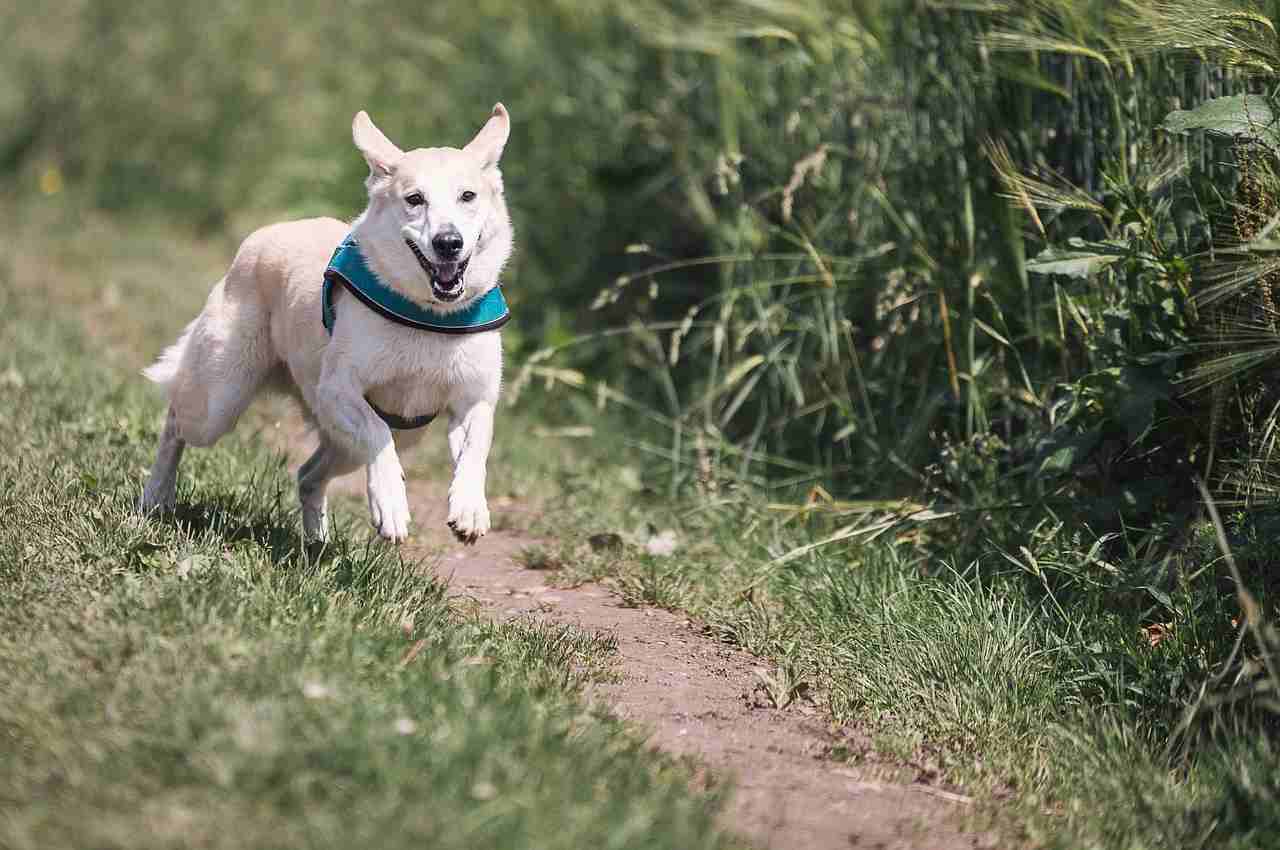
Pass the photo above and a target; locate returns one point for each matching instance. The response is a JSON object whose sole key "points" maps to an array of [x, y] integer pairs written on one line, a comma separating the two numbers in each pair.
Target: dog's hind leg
{"points": [[325, 464], [221, 361], [210, 376], [160, 491]]}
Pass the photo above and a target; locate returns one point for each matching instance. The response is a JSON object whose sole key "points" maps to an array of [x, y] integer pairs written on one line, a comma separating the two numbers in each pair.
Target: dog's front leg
{"points": [[345, 415], [470, 435]]}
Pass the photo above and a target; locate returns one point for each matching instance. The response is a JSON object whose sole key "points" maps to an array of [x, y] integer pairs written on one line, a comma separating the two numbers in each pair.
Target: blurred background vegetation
{"points": [[992, 278], [789, 212]]}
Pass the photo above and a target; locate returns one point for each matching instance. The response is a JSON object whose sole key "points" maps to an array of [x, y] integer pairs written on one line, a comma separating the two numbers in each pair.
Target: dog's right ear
{"points": [[378, 150]]}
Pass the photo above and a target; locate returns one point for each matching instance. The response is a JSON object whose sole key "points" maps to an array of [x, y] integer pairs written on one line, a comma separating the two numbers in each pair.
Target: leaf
{"points": [[1159, 595], [992, 332], [1129, 395], [738, 372], [1028, 42], [1018, 72], [1247, 115], [1079, 259], [569, 431], [1064, 453]]}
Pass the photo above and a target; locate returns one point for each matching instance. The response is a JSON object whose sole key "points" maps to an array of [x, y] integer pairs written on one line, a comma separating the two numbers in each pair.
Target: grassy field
{"points": [[214, 672], [208, 682], [941, 336]]}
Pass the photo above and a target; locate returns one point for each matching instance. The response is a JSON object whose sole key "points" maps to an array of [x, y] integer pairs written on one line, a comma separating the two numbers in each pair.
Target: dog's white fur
{"points": [[261, 325]]}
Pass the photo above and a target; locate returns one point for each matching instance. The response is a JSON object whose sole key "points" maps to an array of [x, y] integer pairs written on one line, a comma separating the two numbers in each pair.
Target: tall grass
{"points": [[965, 281], [980, 314], [866, 290]]}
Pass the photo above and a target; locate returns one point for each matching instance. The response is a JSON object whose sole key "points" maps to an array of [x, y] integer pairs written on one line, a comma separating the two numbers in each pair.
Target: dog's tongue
{"points": [[447, 272]]}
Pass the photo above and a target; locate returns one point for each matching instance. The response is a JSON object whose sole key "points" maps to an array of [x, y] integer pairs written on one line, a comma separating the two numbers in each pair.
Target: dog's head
{"points": [[437, 226]]}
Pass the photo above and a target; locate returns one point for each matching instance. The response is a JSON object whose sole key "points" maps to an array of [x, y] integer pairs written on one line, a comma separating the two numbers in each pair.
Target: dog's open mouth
{"points": [[446, 278]]}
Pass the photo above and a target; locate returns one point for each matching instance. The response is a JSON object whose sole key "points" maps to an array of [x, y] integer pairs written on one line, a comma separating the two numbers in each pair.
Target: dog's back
{"points": [[268, 303]]}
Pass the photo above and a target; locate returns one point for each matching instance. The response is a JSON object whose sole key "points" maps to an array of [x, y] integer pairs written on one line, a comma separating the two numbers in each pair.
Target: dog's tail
{"points": [[165, 369]]}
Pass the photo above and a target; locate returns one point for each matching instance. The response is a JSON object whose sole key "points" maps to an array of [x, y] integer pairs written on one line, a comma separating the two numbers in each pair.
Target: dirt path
{"points": [[698, 697]]}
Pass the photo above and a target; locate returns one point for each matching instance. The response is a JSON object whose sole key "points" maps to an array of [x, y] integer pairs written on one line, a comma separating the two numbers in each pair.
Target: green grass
{"points": [[808, 274], [1033, 687], [206, 681]]}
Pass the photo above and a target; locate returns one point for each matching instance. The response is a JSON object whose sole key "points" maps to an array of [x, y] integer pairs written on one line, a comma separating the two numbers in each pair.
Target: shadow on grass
{"points": [[342, 563], [276, 533]]}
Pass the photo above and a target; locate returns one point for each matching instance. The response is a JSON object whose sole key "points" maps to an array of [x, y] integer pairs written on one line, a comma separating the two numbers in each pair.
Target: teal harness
{"points": [[348, 268]]}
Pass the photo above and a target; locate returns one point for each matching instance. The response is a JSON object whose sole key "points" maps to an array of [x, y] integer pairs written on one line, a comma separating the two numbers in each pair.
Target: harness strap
{"points": [[348, 268], [400, 423]]}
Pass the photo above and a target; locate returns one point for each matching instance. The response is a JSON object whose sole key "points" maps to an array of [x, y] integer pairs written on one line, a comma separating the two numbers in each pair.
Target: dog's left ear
{"points": [[488, 144]]}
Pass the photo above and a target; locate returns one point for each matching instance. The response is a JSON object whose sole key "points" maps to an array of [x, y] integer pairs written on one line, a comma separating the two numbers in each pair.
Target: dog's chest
{"points": [[418, 373]]}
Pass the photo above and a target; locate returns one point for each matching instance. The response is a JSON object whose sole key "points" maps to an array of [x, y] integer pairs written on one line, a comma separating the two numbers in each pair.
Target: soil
{"points": [[698, 697]]}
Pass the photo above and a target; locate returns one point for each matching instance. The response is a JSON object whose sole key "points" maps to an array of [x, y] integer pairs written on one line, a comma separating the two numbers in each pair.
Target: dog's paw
{"points": [[468, 516], [389, 505]]}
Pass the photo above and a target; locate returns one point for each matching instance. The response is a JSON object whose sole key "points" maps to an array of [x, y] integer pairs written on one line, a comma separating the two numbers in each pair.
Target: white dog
{"points": [[410, 303]]}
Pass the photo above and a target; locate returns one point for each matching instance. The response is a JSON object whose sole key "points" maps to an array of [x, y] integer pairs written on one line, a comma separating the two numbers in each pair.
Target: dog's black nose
{"points": [[448, 243]]}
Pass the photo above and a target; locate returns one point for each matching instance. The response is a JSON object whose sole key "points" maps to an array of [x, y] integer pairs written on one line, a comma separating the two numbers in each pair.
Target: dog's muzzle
{"points": [[447, 277]]}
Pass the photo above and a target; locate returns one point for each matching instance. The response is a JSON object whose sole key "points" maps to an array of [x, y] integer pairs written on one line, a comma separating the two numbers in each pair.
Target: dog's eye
{"points": [[467, 196], [415, 199]]}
